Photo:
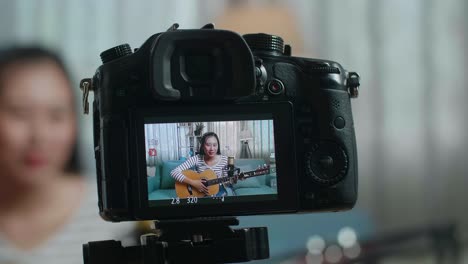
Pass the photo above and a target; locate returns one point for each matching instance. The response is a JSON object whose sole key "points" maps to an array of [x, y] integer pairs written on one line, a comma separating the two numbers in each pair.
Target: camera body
{"points": [[216, 77]]}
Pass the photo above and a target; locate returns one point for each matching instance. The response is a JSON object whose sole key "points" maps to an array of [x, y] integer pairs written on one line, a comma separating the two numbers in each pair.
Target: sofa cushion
{"points": [[167, 182], [248, 183], [255, 191], [153, 184], [154, 178], [162, 194]]}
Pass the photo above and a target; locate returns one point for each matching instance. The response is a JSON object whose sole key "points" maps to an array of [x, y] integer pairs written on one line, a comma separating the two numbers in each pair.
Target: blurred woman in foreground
{"points": [[42, 214]]}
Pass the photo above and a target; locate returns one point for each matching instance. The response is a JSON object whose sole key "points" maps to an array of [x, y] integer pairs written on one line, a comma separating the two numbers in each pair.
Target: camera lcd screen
{"points": [[233, 159]]}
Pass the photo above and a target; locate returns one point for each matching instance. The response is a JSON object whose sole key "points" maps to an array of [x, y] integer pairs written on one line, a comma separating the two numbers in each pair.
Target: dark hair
{"points": [[203, 140], [31, 54]]}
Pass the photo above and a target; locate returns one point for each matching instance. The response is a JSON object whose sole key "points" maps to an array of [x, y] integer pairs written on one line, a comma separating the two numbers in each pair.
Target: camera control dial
{"points": [[115, 53], [326, 163], [265, 42]]}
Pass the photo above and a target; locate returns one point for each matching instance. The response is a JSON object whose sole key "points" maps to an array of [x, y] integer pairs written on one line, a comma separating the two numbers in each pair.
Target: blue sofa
{"points": [[161, 185]]}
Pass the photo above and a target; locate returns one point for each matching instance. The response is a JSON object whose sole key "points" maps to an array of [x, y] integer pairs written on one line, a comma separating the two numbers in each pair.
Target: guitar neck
{"points": [[217, 181], [243, 175], [250, 174]]}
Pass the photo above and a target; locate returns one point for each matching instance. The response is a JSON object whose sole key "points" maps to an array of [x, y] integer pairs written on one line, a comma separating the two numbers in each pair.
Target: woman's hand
{"points": [[199, 186]]}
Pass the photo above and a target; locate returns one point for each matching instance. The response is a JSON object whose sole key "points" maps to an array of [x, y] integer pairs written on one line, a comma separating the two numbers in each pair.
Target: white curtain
{"points": [[164, 140], [261, 144], [174, 141]]}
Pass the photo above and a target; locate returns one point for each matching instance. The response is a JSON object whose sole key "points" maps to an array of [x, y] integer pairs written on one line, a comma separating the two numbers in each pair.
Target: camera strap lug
{"points": [[86, 86], [174, 27], [353, 84], [208, 26]]}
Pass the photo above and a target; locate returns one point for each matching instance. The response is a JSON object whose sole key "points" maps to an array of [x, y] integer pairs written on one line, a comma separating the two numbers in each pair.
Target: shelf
{"points": [[188, 143]]}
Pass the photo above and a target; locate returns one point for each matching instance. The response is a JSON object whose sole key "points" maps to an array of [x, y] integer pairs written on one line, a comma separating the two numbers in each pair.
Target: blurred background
{"points": [[412, 140]]}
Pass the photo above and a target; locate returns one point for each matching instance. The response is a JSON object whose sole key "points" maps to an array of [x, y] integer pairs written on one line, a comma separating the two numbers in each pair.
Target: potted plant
{"points": [[198, 128]]}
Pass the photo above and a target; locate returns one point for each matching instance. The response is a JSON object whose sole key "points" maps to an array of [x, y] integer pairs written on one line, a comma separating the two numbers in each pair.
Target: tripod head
{"points": [[204, 240]]}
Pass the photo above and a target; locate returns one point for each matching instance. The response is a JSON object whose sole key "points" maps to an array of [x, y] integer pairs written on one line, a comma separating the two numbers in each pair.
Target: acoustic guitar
{"points": [[212, 181]]}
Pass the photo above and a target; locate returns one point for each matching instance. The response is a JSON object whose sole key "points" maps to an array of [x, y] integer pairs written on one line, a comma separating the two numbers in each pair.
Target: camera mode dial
{"points": [[326, 163], [115, 53], [265, 42]]}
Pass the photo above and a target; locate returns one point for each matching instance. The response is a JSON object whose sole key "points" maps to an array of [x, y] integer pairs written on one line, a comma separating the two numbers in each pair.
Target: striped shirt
{"points": [[65, 247], [198, 162]]}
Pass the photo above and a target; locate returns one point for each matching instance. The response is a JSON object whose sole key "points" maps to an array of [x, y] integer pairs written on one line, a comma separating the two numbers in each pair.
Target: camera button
{"points": [[326, 162], [339, 122], [258, 72], [275, 87]]}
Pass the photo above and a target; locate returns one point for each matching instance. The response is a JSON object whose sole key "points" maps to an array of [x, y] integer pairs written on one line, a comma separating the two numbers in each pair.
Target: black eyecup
{"points": [[233, 73]]}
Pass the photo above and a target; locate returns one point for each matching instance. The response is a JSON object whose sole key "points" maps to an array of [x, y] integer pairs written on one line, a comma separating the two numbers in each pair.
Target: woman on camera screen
{"points": [[208, 158]]}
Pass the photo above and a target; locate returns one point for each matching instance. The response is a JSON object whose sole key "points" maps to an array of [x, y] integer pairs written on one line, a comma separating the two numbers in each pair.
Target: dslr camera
{"points": [[283, 122]]}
